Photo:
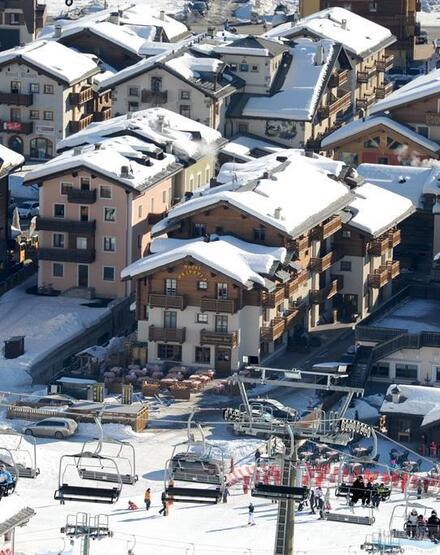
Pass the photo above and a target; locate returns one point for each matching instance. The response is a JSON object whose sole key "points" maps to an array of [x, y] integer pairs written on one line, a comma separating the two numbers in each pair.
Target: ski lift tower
{"points": [[86, 527], [334, 429]]}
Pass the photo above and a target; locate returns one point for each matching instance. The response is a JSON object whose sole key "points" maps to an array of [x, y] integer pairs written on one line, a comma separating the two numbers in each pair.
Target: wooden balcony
{"points": [[154, 97], [69, 226], [362, 77], [218, 305], [81, 97], [103, 115], [342, 102], [293, 285], [16, 99], [274, 330], [291, 317], [393, 268], [394, 238], [300, 245], [177, 335], [156, 300], [224, 339], [378, 247], [378, 278], [338, 79], [432, 118], [318, 296], [79, 256], [324, 263], [331, 227], [25, 127], [323, 112], [271, 300], [78, 196], [79, 125], [385, 63]]}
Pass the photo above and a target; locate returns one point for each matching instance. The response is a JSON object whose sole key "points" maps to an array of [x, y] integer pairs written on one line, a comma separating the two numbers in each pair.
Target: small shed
{"points": [[79, 388]]}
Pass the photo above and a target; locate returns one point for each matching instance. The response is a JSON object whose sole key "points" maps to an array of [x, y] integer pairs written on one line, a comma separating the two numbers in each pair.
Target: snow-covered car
{"points": [[28, 209], [58, 428]]}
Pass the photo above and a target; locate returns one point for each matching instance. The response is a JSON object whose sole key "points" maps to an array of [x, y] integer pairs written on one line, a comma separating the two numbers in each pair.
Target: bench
{"points": [[98, 476], [91, 495], [350, 519], [280, 492], [193, 495]]}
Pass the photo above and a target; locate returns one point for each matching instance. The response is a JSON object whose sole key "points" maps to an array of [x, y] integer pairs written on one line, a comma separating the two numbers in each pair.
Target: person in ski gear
{"points": [[421, 527], [132, 506], [164, 509], [251, 520], [147, 499], [411, 524], [319, 501], [225, 495], [433, 523], [312, 501], [357, 490]]}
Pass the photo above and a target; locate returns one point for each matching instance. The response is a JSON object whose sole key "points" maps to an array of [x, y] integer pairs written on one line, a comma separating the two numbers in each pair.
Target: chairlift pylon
{"points": [[26, 464], [71, 488]]}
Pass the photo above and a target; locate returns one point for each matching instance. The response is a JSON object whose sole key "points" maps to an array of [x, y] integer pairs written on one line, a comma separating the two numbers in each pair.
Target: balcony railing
{"points": [[394, 238], [227, 339], [218, 305], [79, 196], [291, 317], [393, 268], [300, 245], [384, 274], [25, 127], [318, 296], [385, 63], [432, 118], [166, 334], [69, 226], [385, 90], [362, 77], [81, 124], [80, 256], [156, 300], [338, 79], [331, 227], [324, 263], [293, 285], [271, 300], [342, 102], [274, 330], [378, 247], [16, 99], [103, 115], [154, 97], [81, 97]]}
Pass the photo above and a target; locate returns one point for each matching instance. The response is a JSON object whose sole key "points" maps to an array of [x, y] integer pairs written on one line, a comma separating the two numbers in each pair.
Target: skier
{"points": [[147, 499], [433, 526], [319, 502], [411, 525], [225, 495], [419, 488], [312, 501], [251, 521], [164, 509]]}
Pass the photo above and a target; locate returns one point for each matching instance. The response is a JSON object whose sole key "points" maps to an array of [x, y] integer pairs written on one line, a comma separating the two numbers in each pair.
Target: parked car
{"points": [[200, 8], [59, 428], [29, 209]]}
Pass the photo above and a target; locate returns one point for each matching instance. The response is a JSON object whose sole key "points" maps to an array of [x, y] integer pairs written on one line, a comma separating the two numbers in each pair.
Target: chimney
{"points": [[169, 147], [114, 18], [162, 15], [395, 395], [344, 24], [58, 30], [277, 213], [125, 171], [77, 151]]}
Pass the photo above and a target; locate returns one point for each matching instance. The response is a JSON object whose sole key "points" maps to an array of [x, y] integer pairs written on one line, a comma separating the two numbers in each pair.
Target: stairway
{"points": [[361, 367]]}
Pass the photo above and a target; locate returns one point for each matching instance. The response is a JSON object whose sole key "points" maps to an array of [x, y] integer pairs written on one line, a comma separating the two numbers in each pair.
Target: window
{"points": [[199, 180], [346, 234], [139, 241], [222, 290], [372, 143], [392, 144], [14, 18], [437, 373], [152, 205], [156, 84], [199, 230], [133, 106], [48, 116], [381, 370], [15, 114], [406, 371], [185, 95], [372, 6], [58, 210], [58, 240], [15, 87], [382, 160], [108, 273], [81, 243], [244, 67], [84, 183], [34, 114], [202, 318], [254, 68], [233, 67], [34, 87], [48, 89], [170, 319], [345, 266], [109, 244], [243, 127], [110, 214], [169, 352], [140, 211], [221, 323], [65, 188], [207, 175], [170, 287], [185, 110], [423, 130], [202, 285], [203, 355], [259, 234], [164, 197], [41, 148], [191, 183], [83, 213], [105, 191], [133, 91]]}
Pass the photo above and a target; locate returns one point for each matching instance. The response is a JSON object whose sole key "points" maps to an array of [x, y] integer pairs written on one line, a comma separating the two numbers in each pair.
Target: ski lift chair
{"points": [[399, 517], [125, 457], [7, 459], [25, 459], [71, 487]]}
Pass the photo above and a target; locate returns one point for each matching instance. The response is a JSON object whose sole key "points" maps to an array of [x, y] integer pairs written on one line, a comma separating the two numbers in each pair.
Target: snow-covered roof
{"points": [[121, 158], [301, 90], [408, 181], [367, 217], [188, 138], [243, 146], [54, 58], [246, 261], [353, 128], [421, 87], [190, 67], [141, 14], [250, 46], [416, 400], [356, 33], [9, 160], [298, 192]]}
